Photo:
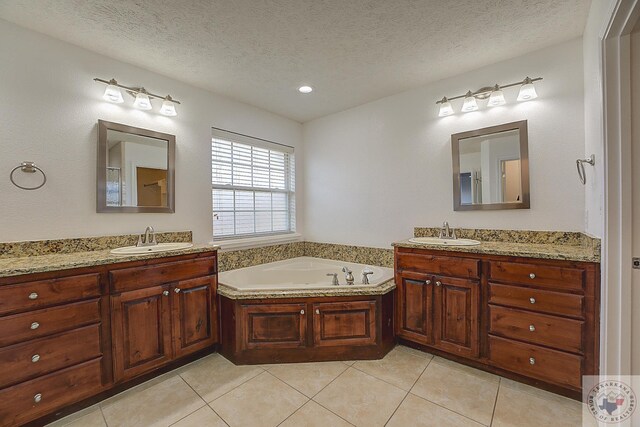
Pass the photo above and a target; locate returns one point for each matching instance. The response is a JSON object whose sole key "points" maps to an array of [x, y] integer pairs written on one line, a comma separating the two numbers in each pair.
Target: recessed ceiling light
{"points": [[305, 89]]}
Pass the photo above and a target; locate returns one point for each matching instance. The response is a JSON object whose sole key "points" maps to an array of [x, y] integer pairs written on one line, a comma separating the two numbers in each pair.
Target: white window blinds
{"points": [[253, 186]]}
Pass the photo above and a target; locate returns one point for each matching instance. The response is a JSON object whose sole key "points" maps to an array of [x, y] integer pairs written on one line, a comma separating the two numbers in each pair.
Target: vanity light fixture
{"points": [[142, 97], [305, 89], [494, 94]]}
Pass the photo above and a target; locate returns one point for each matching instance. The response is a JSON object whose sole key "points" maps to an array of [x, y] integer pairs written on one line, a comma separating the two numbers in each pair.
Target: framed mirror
{"points": [[491, 168], [136, 169]]}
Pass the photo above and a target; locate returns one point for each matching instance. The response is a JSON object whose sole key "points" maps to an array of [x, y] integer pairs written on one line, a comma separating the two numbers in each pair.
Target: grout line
{"points": [[410, 388], [449, 409], [103, 417], [229, 391], [294, 412], [495, 403], [219, 416], [331, 382]]}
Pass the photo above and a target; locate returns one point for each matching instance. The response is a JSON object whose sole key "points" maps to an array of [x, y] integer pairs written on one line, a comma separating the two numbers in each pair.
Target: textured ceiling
{"points": [[350, 51]]}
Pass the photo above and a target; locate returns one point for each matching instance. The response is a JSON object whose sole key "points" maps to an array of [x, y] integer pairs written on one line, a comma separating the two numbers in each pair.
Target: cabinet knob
{"points": [[438, 283], [35, 358], [33, 295], [35, 325], [176, 290], [532, 328], [301, 311], [532, 300], [165, 293], [37, 398], [317, 311], [532, 275], [532, 360], [427, 282]]}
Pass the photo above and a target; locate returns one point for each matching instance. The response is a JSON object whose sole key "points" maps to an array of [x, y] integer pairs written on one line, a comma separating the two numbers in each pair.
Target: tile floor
{"points": [[406, 388]]}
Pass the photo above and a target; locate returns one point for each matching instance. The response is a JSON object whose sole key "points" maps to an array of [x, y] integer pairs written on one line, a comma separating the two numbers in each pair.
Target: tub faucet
{"points": [[149, 238], [334, 281], [365, 275], [446, 232], [348, 275]]}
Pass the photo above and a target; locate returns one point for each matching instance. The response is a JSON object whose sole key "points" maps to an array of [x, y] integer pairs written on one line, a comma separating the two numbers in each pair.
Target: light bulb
{"points": [[470, 103], [112, 93], [445, 108], [168, 107], [142, 101], [527, 90], [496, 98], [305, 89]]}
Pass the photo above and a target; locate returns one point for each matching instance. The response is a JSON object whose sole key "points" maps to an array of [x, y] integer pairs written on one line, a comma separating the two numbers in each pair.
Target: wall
{"points": [[374, 172], [50, 107]]}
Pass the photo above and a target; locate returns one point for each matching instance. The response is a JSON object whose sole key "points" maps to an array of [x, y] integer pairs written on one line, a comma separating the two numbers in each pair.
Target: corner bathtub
{"points": [[302, 273]]}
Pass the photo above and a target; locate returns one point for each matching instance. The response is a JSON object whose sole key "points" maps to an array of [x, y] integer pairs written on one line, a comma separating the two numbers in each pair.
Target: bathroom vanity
{"points": [[69, 334], [534, 318]]}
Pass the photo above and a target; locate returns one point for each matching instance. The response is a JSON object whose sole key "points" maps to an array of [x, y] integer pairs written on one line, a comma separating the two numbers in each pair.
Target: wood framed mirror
{"points": [[136, 169], [491, 168]]}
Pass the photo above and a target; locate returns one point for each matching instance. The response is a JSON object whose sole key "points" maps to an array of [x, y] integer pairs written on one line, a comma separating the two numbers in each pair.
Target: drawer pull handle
{"points": [[438, 283], [33, 295], [35, 358], [37, 398], [165, 293], [35, 325], [532, 361], [317, 311], [301, 311], [177, 290], [427, 282], [532, 328], [532, 276], [532, 300]]}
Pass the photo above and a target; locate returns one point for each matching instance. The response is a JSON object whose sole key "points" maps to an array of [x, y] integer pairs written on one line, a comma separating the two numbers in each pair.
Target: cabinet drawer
{"points": [[31, 295], [45, 355], [538, 275], [557, 332], [548, 365], [39, 323], [273, 326], [440, 265], [344, 323], [32, 399], [536, 300], [142, 277]]}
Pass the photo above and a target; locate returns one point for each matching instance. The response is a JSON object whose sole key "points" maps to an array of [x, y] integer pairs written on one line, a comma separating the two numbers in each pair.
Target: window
{"points": [[253, 186]]}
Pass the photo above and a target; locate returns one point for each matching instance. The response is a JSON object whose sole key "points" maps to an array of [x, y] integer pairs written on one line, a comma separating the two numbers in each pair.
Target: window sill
{"points": [[257, 242]]}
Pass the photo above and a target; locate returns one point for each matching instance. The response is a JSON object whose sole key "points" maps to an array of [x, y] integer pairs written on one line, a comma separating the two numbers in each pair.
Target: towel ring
{"points": [[582, 175], [28, 167]]}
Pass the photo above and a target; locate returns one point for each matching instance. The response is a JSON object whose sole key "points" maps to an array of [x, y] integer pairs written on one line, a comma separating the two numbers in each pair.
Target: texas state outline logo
{"points": [[611, 401]]}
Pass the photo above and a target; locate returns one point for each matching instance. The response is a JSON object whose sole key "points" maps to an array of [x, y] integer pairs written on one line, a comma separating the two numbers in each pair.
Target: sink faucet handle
{"points": [[365, 275], [334, 282], [345, 269]]}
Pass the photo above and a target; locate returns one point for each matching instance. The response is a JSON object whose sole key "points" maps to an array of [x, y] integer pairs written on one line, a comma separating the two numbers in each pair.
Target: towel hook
{"points": [[582, 175], [28, 167]]}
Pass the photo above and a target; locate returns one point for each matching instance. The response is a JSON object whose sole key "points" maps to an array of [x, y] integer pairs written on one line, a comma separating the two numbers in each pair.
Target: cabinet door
{"points": [[456, 309], [344, 323], [194, 315], [273, 326], [414, 307], [141, 322]]}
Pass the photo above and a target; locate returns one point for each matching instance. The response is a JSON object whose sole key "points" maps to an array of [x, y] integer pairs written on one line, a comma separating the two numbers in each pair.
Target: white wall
{"points": [[49, 109], [374, 172]]}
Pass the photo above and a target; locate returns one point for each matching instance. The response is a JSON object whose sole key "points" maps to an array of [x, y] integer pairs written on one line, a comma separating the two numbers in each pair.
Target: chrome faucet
{"points": [[334, 281], [348, 275], [365, 275], [446, 232], [149, 238]]}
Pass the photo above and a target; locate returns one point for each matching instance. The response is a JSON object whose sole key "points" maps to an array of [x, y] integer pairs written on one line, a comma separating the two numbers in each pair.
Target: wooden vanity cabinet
{"points": [[533, 320]]}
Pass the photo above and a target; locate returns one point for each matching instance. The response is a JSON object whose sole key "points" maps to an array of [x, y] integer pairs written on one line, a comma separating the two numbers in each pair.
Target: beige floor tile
{"points": [[516, 407], [349, 362], [89, 417], [160, 405], [308, 378], [261, 401], [414, 351], [464, 390], [214, 376], [418, 412], [314, 415], [466, 369], [398, 367], [203, 417], [360, 398]]}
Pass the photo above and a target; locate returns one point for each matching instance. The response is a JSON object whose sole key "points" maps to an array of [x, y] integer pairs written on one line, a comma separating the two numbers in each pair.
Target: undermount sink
{"points": [[444, 242], [142, 250]]}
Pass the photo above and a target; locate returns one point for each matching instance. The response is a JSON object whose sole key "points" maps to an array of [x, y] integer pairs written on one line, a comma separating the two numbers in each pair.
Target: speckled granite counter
{"points": [[338, 291], [64, 261], [585, 252]]}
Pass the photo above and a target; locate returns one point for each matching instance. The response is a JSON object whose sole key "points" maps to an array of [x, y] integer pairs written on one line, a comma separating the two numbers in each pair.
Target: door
{"points": [[344, 323], [273, 326], [456, 316], [414, 307], [194, 315], [141, 322]]}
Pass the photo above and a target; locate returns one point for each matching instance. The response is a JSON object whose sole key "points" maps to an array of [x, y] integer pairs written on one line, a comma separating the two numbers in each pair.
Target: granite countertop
{"points": [[338, 291], [566, 252], [64, 261]]}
